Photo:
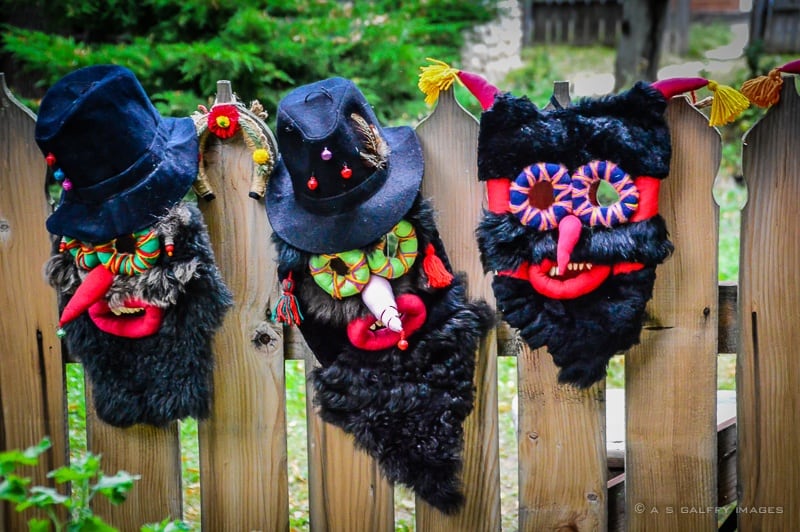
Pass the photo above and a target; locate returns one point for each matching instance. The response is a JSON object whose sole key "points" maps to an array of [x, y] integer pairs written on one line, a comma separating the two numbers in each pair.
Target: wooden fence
{"points": [[677, 467], [575, 22]]}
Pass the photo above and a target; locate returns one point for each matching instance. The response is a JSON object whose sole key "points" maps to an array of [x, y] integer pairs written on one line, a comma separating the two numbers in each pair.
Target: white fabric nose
{"points": [[379, 299]]}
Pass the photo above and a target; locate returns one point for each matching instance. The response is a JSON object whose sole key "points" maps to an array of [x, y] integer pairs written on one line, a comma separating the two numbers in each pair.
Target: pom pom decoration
{"points": [[225, 120], [765, 91], [286, 309], [438, 276], [727, 104], [440, 76]]}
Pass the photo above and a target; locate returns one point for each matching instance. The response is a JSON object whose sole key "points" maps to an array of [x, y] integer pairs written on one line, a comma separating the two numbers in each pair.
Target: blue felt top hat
{"points": [[126, 164], [343, 181]]}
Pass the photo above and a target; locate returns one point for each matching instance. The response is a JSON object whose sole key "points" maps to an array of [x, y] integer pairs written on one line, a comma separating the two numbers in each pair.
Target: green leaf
{"points": [[14, 488], [38, 525], [41, 497], [9, 460], [83, 468], [167, 526], [116, 488], [91, 523]]}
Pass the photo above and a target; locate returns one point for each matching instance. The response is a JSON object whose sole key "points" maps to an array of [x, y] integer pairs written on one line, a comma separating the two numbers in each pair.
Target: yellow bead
{"points": [[260, 156]]}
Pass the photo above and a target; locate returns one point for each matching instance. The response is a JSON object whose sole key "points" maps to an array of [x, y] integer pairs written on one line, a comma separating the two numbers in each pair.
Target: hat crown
{"points": [[319, 136], [98, 122]]}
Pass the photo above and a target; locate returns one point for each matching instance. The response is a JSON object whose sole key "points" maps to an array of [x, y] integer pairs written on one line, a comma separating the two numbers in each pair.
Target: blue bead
{"points": [[59, 174]]}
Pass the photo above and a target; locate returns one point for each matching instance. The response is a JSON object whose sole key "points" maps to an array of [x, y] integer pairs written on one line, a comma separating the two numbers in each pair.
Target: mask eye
{"points": [[395, 253], [342, 274], [131, 254], [603, 194], [541, 195]]}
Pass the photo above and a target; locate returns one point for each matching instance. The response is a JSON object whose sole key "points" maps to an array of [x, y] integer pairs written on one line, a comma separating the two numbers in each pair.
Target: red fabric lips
{"points": [[91, 296], [571, 285], [144, 323], [412, 314]]}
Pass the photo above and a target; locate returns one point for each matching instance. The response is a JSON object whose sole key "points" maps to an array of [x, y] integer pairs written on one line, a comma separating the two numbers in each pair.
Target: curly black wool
{"points": [[404, 408], [167, 376], [628, 129]]}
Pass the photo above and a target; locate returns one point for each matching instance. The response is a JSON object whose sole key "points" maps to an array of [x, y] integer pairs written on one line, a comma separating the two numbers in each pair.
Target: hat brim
{"points": [[140, 206], [363, 224]]}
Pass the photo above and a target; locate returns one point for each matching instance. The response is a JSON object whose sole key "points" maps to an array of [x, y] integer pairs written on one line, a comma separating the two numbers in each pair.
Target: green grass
{"points": [[704, 37]]}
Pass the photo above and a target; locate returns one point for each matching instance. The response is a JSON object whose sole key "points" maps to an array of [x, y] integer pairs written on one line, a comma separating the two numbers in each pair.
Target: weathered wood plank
{"points": [[562, 449], [31, 372], [561, 428], [150, 452], [449, 138], [244, 480], [768, 370], [671, 442], [346, 490]]}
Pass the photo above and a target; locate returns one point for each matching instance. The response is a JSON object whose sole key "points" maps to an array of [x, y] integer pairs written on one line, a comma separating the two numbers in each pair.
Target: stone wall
{"points": [[493, 49]]}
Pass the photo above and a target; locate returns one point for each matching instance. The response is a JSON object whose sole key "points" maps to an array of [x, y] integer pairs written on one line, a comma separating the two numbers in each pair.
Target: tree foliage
{"points": [[180, 48]]}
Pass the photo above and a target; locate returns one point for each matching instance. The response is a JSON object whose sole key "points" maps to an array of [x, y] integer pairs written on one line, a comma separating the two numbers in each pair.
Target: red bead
{"points": [[50, 159], [312, 183], [346, 172], [170, 249], [402, 345]]}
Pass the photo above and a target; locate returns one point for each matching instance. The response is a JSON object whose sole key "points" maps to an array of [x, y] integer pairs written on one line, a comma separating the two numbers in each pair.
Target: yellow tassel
{"points": [[727, 105], [436, 78], [764, 91]]}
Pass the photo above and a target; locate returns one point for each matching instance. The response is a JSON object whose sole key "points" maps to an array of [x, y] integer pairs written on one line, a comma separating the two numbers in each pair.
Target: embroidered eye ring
{"points": [[342, 274], [144, 256], [396, 252], [84, 254], [585, 182], [541, 195]]}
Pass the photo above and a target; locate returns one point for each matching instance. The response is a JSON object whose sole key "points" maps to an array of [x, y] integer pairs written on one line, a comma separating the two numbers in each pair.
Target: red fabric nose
{"points": [[93, 287], [569, 231]]}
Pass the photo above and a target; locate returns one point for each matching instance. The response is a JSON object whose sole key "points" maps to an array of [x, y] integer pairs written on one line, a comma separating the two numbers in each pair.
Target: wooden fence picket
{"points": [[670, 378], [449, 138], [150, 452], [31, 366], [346, 490], [768, 371], [243, 472]]}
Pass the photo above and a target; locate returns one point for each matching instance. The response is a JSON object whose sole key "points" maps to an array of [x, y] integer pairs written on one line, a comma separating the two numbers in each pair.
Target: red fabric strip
{"points": [[648, 197], [497, 192]]}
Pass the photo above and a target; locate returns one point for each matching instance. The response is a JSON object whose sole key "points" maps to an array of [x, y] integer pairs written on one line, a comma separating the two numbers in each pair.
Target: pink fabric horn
{"points": [[673, 86]]}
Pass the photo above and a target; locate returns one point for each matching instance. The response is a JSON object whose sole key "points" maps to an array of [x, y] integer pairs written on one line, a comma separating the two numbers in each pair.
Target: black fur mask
{"points": [[166, 375], [405, 407], [586, 302]]}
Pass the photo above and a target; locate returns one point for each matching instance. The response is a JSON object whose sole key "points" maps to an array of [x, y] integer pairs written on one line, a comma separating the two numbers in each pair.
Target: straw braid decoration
{"points": [[257, 137]]}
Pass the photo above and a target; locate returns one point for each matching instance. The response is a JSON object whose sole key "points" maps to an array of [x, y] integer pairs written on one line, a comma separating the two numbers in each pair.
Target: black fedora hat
{"points": [[343, 181], [122, 162]]}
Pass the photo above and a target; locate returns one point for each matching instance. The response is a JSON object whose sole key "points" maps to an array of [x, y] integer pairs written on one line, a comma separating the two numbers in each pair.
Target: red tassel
{"points": [[438, 276], [286, 309]]}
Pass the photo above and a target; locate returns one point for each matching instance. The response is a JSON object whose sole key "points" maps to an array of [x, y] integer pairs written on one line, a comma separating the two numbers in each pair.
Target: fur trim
{"points": [[505, 243], [581, 334], [167, 376], [628, 128], [406, 408]]}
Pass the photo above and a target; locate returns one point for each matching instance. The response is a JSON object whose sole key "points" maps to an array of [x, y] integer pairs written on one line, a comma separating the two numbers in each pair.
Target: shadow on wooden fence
{"points": [[673, 457]]}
